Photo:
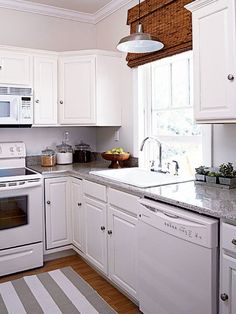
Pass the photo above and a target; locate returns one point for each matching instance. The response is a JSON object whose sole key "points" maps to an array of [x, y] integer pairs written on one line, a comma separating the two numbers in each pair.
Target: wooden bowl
{"points": [[115, 159]]}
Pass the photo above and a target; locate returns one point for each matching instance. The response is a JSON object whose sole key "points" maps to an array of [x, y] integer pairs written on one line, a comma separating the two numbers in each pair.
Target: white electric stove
{"points": [[21, 211]]}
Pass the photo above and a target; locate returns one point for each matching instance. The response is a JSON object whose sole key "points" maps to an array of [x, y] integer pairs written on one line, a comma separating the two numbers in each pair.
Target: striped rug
{"points": [[58, 291]]}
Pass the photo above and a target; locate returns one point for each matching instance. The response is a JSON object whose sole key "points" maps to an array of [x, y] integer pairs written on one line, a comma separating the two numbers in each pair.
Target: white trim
{"points": [[195, 5], [109, 9], [48, 10]]}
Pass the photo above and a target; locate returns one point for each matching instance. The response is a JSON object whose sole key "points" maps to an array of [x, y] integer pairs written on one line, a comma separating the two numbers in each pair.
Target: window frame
{"points": [[142, 127]]}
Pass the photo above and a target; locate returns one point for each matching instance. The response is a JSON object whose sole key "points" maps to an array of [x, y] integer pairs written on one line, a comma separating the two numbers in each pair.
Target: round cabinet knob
{"points": [[230, 77], [102, 228], [0, 67], [61, 102], [37, 101], [79, 204], [234, 241], [109, 232], [48, 202], [224, 297]]}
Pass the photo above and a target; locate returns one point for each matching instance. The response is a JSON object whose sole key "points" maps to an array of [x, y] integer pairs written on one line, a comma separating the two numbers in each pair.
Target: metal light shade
{"points": [[139, 42]]}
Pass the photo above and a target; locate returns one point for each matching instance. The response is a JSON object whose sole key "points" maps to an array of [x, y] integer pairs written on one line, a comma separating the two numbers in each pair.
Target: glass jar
{"points": [[48, 157], [82, 153], [64, 154]]}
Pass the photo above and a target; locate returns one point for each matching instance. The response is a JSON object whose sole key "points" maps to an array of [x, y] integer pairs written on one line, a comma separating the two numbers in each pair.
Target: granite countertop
{"points": [[215, 202]]}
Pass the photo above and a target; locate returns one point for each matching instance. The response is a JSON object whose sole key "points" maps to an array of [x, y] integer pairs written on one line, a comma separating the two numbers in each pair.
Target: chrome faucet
{"points": [[160, 151]]}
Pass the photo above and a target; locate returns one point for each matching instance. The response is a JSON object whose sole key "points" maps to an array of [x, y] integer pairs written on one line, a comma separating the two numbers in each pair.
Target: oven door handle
{"points": [[26, 185]]}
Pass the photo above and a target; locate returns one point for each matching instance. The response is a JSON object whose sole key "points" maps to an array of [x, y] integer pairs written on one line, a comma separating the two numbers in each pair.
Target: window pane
{"points": [[174, 122], [161, 87], [187, 155], [180, 84]]}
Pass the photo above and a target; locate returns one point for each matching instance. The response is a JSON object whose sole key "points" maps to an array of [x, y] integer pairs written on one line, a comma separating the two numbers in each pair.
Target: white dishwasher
{"points": [[177, 260]]}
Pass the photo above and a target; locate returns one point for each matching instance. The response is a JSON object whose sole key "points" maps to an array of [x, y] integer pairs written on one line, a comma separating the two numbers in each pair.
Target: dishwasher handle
{"points": [[171, 215], [153, 217]]}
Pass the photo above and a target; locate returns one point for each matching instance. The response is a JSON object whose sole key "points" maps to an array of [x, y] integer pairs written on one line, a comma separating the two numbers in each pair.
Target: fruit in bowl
{"points": [[116, 150], [115, 155]]}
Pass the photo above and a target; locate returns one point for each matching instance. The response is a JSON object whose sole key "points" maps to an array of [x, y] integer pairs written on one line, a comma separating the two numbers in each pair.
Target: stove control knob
{"points": [[12, 149], [18, 149]]}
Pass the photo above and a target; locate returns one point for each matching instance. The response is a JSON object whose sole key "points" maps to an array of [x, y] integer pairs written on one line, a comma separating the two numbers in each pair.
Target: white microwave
{"points": [[16, 106]]}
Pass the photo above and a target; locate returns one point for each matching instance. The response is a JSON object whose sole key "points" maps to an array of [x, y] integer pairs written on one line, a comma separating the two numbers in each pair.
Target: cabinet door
{"points": [[214, 61], [228, 285], [110, 80], [122, 242], [77, 90], [45, 90], [95, 233], [16, 68], [77, 213], [58, 218]]}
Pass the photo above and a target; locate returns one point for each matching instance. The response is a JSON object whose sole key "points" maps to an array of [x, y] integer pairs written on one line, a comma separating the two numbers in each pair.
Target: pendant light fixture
{"points": [[139, 42]]}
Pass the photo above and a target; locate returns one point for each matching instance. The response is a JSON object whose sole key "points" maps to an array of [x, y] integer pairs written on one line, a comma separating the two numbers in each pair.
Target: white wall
{"points": [[109, 31], [37, 139], [224, 143], [37, 31]]}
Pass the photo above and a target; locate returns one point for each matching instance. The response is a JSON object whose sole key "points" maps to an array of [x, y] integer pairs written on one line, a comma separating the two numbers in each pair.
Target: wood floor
{"points": [[111, 295]]}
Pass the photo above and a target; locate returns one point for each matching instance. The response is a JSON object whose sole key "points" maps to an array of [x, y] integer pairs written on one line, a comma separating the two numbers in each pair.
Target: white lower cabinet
{"points": [[228, 285], [77, 214], [228, 269], [95, 213], [58, 217], [110, 233], [122, 249], [100, 222]]}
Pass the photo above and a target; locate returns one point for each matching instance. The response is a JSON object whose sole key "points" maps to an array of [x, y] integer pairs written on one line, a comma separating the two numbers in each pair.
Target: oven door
{"points": [[20, 216], [9, 109]]}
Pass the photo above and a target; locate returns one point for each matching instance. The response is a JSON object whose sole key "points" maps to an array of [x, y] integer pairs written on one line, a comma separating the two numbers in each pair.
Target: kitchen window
{"points": [[166, 112]]}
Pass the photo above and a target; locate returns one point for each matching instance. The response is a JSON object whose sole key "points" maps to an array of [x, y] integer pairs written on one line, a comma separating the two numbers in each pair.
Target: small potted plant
{"points": [[201, 173], [227, 174], [212, 177]]}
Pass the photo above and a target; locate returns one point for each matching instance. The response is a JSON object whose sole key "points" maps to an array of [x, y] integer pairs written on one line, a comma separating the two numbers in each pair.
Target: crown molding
{"points": [[108, 9], [198, 4], [43, 9]]}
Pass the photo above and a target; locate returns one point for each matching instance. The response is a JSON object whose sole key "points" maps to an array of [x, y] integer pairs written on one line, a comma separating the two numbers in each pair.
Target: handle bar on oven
{"points": [[20, 185]]}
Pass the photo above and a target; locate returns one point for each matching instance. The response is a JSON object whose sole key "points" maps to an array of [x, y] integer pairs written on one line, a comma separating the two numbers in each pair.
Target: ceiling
{"points": [[85, 6]]}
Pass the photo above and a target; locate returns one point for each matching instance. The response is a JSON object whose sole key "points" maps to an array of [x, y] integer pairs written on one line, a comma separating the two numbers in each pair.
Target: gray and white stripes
{"points": [[55, 292]]}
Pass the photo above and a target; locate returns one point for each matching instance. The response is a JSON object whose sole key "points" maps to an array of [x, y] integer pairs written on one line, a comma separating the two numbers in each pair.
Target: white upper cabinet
{"points": [[109, 92], [16, 68], [70, 88], [77, 90], [214, 61], [45, 90], [90, 88]]}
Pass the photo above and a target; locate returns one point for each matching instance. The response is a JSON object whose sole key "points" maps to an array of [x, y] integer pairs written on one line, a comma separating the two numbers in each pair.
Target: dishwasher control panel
{"points": [[186, 225]]}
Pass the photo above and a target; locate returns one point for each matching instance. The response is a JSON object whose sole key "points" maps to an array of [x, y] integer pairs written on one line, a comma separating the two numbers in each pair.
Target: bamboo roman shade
{"points": [[169, 21]]}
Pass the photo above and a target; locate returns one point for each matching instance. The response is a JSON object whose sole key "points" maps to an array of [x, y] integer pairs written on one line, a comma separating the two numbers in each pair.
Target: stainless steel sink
{"points": [[140, 177]]}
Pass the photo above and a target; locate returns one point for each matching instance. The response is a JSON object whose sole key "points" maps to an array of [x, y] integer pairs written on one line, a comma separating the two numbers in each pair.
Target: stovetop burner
{"points": [[13, 172]]}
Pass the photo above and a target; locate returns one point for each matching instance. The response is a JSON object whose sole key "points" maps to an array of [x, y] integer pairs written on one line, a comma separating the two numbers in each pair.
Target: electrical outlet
{"points": [[117, 136]]}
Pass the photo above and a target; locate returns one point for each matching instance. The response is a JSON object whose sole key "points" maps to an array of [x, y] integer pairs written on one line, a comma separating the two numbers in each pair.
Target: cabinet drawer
{"points": [[229, 237], [123, 200], [95, 190]]}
